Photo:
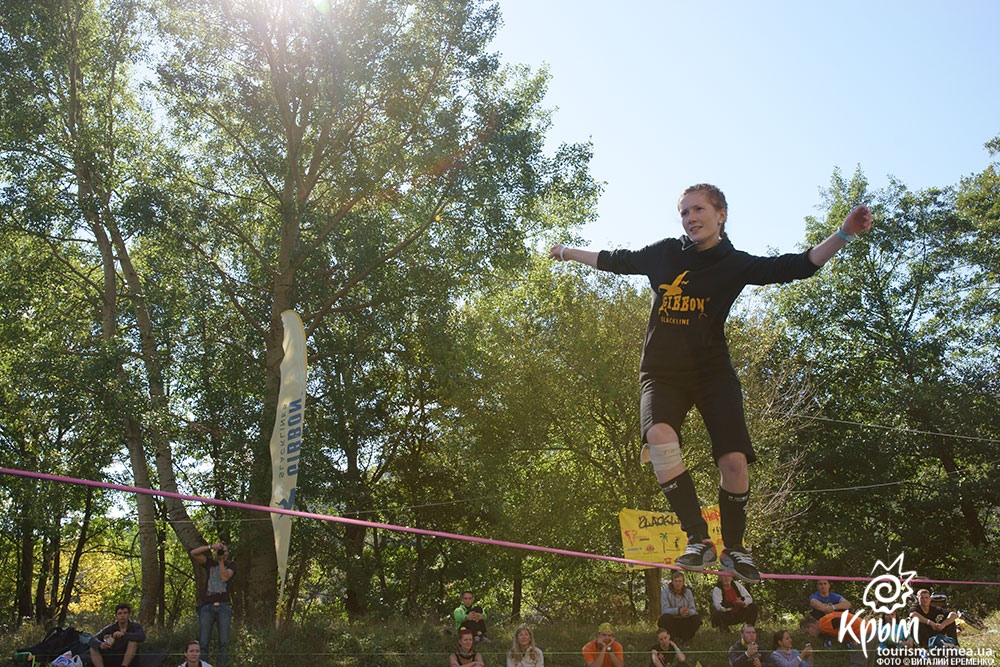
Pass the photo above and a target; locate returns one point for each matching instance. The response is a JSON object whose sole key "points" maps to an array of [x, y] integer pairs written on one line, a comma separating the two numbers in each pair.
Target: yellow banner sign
{"points": [[656, 537]]}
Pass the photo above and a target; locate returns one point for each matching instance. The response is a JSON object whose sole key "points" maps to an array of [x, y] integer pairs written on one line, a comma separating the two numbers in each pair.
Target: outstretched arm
{"points": [[566, 254], [858, 221]]}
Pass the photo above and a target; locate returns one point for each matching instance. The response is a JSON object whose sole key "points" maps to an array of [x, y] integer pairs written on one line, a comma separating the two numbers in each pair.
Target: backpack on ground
{"points": [[57, 641]]}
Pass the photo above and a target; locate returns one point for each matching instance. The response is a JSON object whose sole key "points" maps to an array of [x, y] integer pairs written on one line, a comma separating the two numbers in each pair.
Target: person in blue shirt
{"points": [[824, 601]]}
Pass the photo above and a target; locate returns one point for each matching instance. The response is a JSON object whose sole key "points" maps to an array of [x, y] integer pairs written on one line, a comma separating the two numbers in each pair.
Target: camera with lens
{"points": [[220, 552]]}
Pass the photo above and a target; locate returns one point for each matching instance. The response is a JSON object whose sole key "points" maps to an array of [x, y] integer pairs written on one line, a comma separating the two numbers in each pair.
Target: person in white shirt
{"points": [[732, 604], [523, 652], [192, 655]]}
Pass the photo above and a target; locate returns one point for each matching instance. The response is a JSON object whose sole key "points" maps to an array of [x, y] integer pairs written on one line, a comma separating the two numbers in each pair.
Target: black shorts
{"points": [[718, 397]]}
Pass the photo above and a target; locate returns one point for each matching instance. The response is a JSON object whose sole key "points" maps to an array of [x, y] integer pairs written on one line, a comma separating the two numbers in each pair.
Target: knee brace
{"points": [[664, 456]]}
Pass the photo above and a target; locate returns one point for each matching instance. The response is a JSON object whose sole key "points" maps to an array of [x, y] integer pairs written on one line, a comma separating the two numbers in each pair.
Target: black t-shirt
{"points": [[666, 656], [933, 614], [692, 294]]}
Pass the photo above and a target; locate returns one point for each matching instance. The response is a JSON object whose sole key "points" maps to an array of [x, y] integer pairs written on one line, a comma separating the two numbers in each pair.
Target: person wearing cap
{"points": [[694, 281], [604, 651]]}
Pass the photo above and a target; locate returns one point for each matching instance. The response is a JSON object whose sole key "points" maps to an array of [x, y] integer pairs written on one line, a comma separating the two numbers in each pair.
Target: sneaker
{"points": [[697, 555], [740, 564]]}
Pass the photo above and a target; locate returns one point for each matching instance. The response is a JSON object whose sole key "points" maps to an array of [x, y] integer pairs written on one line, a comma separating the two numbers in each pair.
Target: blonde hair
{"points": [[515, 649]]}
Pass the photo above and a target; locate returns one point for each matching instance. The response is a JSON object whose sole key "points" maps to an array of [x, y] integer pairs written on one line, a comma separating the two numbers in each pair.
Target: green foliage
{"points": [[375, 167], [884, 333]]}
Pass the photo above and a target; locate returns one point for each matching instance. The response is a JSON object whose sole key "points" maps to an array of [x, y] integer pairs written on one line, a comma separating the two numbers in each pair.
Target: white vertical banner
{"points": [[286, 438]]}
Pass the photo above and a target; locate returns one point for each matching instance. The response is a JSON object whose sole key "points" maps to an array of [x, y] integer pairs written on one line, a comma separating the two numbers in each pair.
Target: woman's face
{"points": [[523, 638], [466, 642], [702, 222], [193, 653], [785, 641]]}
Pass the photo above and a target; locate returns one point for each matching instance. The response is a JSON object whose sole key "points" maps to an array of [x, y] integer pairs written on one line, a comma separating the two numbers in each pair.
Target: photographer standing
{"points": [[214, 607]]}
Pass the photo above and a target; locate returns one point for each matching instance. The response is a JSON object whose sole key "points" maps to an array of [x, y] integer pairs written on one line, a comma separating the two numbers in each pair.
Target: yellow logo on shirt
{"points": [[673, 302]]}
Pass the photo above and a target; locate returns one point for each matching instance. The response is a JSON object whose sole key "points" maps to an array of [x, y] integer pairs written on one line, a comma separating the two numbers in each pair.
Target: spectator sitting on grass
{"points": [[192, 655], [466, 653], [666, 651], [523, 652], [471, 616], [604, 651], [784, 655]]}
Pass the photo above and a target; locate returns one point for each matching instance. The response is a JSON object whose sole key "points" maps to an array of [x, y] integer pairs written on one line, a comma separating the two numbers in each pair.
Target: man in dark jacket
{"points": [[118, 643]]}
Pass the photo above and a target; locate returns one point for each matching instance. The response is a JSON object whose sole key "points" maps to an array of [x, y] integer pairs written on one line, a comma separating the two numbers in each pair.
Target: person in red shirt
{"points": [[732, 604]]}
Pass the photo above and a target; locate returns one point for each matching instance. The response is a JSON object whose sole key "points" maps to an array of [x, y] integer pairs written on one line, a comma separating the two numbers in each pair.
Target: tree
{"points": [[51, 377], [338, 148], [74, 153], [549, 416], [883, 336]]}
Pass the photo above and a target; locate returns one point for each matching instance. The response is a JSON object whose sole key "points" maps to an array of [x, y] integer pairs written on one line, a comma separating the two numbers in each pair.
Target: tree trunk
{"points": [[146, 511], [177, 513], [259, 560], [652, 578], [42, 615], [974, 527], [161, 593], [358, 581], [379, 564], [74, 566], [295, 585], [515, 605], [26, 571], [256, 553]]}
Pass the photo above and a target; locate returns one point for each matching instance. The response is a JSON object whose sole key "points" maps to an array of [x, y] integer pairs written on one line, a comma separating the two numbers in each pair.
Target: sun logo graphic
{"points": [[885, 593], [889, 591]]}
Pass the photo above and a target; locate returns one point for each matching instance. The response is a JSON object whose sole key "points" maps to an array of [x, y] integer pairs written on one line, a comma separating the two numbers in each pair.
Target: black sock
{"points": [[683, 500], [733, 517]]}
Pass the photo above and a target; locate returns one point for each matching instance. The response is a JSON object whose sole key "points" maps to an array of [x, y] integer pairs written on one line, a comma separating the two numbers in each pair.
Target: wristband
{"points": [[847, 237], [561, 251]]}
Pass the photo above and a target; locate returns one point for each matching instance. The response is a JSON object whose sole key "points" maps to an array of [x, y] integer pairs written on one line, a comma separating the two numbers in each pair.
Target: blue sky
{"points": [[764, 99]]}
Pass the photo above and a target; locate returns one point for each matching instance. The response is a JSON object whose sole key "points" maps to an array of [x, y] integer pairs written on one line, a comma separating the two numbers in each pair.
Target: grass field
{"points": [[414, 644]]}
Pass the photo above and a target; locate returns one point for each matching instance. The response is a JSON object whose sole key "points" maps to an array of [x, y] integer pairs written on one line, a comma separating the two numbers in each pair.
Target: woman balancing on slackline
{"points": [[685, 360]]}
